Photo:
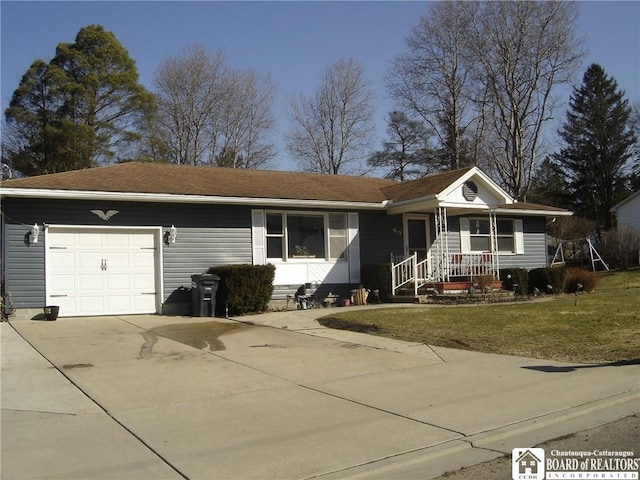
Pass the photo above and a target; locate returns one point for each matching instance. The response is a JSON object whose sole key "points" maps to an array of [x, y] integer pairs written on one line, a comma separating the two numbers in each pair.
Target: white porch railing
{"points": [[409, 271], [471, 265]]}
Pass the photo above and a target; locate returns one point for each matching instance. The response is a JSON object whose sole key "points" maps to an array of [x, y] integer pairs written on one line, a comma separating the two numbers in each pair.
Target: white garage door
{"points": [[101, 272]]}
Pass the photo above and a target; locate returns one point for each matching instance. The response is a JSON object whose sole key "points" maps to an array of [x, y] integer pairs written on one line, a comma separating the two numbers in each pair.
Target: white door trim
{"points": [[405, 226]]}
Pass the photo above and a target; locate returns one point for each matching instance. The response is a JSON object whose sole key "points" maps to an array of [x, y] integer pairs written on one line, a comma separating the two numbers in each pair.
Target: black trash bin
{"points": [[203, 294]]}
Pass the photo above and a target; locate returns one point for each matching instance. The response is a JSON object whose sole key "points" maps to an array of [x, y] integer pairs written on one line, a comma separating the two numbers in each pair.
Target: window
{"points": [[305, 236], [480, 234], [337, 236], [298, 236], [505, 236], [275, 235]]}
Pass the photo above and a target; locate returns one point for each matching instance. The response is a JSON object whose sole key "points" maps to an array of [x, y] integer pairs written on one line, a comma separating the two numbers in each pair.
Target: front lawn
{"points": [[603, 326]]}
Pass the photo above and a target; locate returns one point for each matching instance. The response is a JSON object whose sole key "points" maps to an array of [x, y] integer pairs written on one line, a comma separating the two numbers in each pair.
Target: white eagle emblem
{"points": [[105, 216]]}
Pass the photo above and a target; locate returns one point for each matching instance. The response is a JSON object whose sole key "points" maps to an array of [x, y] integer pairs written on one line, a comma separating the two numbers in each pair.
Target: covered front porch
{"points": [[439, 262]]}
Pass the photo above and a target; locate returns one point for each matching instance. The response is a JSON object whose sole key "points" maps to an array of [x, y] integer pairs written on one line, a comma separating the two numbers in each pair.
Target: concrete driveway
{"points": [[278, 398]]}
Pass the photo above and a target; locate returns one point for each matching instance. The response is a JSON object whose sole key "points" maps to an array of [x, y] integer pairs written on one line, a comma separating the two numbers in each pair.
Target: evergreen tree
{"points": [[549, 186], [81, 109], [596, 158], [405, 154]]}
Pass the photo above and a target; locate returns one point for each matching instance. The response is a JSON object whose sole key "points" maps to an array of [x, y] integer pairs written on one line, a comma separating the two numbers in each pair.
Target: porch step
{"points": [[410, 298]]}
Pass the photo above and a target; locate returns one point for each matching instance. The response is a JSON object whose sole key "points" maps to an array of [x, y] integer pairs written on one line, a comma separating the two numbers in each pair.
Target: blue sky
{"points": [[291, 41]]}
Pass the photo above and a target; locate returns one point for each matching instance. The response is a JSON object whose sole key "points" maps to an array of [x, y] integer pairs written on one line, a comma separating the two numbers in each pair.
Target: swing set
{"points": [[594, 256]]}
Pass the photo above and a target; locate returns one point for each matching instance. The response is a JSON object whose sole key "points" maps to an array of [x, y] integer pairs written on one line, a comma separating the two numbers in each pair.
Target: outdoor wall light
{"points": [[35, 231], [32, 235], [170, 235]]}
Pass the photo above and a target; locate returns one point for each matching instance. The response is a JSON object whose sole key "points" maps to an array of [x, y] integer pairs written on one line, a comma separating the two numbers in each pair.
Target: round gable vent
{"points": [[469, 191]]}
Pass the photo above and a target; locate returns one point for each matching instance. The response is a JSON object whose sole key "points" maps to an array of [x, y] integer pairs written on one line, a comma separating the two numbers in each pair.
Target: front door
{"points": [[416, 238]]}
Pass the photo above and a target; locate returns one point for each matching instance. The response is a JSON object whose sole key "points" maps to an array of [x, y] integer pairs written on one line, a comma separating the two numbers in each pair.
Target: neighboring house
{"points": [[628, 212], [125, 239]]}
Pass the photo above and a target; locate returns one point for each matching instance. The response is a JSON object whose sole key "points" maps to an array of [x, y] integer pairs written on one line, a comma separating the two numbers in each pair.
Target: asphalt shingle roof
{"points": [[423, 187], [162, 178], [136, 177]]}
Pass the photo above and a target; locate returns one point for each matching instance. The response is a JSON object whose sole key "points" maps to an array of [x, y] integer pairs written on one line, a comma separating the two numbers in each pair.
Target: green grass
{"points": [[602, 326]]}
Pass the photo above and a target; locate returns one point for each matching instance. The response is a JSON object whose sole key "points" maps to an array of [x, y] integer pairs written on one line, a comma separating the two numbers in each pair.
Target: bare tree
{"points": [[523, 50], [482, 75], [332, 129], [212, 114], [432, 79], [245, 120]]}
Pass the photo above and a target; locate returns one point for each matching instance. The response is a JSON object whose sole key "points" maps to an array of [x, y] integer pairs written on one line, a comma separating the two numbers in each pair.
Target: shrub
{"points": [[377, 276], [621, 247], [244, 288], [515, 276], [541, 278], [589, 280]]}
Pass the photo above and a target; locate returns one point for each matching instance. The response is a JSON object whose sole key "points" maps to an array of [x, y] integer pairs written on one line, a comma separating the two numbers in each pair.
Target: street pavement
{"points": [[276, 396]]}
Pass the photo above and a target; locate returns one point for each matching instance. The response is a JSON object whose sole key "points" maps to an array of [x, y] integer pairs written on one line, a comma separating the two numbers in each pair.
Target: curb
{"points": [[436, 460]]}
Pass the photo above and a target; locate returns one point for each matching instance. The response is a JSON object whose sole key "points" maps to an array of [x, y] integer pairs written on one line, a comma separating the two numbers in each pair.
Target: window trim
{"points": [[516, 236], [327, 237]]}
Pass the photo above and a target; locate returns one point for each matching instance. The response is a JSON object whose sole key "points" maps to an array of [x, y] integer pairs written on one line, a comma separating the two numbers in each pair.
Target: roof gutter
{"points": [[540, 213], [174, 198]]}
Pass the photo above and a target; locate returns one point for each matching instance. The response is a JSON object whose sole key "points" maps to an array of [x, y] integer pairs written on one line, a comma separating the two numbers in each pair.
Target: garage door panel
{"points": [[62, 240], [62, 283], [90, 283], [118, 240], [88, 305], [119, 304], [144, 302], [62, 259], [144, 282], [89, 240], [143, 259], [66, 304], [143, 241], [117, 282], [118, 260], [94, 273]]}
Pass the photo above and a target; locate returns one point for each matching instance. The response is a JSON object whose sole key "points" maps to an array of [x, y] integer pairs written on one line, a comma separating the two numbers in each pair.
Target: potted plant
{"points": [[51, 312], [302, 252], [6, 307]]}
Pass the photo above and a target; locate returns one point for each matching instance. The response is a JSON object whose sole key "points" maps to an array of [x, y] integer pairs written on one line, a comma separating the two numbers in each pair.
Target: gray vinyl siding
{"points": [[535, 247], [208, 235], [24, 267], [197, 249], [453, 238], [378, 239]]}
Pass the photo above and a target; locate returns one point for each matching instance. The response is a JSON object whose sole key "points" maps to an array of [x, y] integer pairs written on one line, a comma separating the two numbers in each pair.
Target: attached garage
{"points": [[98, 271]]}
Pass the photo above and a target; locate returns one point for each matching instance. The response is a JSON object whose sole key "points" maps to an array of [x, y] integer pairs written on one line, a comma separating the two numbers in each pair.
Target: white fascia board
{"points": [[539, 213], [415, 204], [173, 198], [475, 171]]}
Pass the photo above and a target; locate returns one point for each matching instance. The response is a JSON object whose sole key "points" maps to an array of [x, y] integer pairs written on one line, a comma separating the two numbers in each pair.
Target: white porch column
{"points": [[493, 228], [441, 257]]}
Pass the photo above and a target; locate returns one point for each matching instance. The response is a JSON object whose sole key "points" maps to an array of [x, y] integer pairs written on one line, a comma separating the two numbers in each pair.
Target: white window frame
{"points": [[517, 237], [327, 236]]}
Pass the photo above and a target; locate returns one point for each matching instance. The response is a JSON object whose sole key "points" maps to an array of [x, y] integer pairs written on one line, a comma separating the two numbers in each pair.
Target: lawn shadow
{"points": [[569, 368]]}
